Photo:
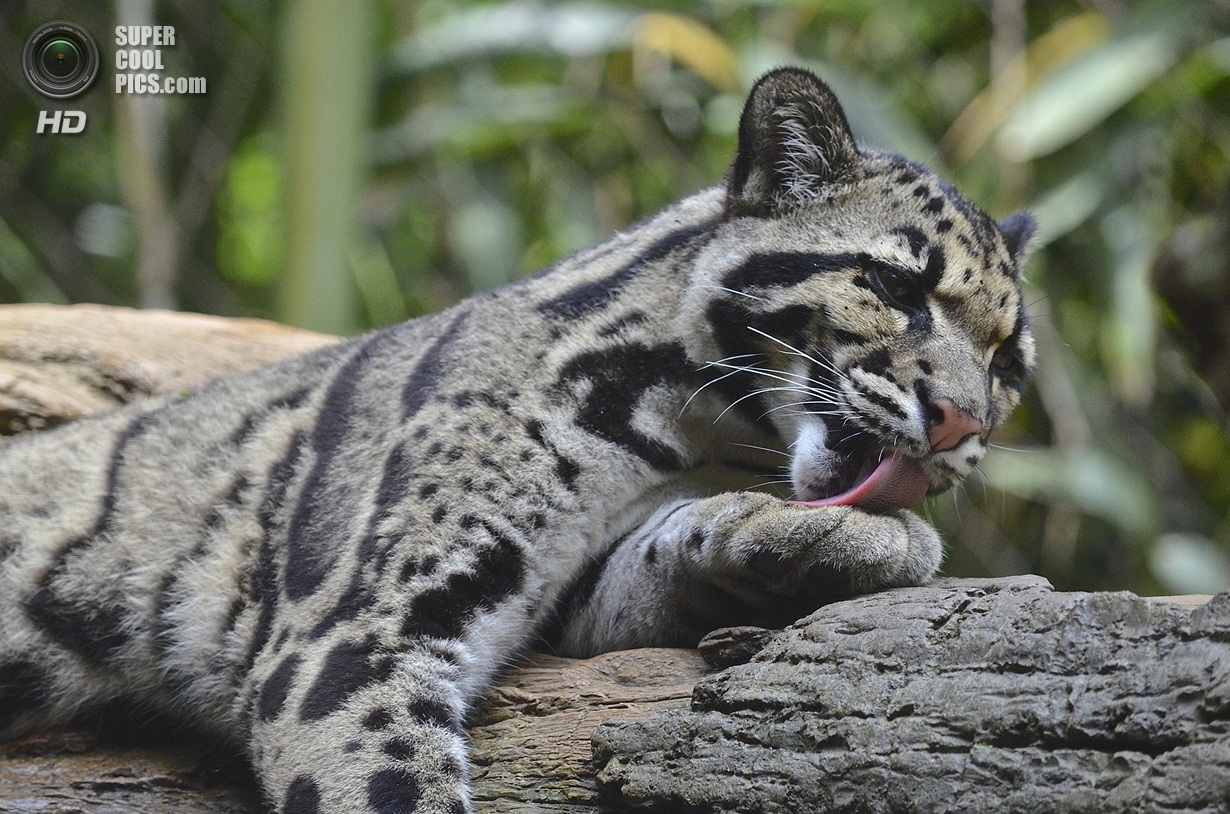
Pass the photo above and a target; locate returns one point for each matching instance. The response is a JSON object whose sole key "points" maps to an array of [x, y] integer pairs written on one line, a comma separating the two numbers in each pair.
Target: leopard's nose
{"points": [[948, 425]]}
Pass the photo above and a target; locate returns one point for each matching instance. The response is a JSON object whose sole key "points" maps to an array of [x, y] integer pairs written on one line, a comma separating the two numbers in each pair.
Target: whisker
{"points": [[796, 352], [803, 412], [762, 449], [778, 482], [736, 292], [692, 397], [731, 358], [1010, 449], [760, 371]]}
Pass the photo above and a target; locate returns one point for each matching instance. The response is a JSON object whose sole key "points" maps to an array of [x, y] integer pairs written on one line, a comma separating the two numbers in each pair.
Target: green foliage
{"points": [[504, 135]]}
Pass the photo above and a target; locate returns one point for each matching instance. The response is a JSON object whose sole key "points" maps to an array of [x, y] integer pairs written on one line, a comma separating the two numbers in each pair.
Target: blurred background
{"points": [[355, 164]]}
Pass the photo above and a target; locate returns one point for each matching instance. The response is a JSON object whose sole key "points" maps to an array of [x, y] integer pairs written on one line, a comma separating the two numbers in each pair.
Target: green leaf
{"points": [[1068, 205], [566, 30], [1129, 343], [1091, 481], [1189, 564], [1080, 96]]}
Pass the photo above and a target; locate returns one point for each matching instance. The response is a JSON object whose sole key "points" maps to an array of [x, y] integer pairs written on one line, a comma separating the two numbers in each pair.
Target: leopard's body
{"points": [[326, 561]]}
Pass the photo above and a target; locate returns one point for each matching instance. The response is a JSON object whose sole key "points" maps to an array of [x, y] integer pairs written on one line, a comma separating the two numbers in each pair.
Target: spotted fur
{"points": [[325, 561]]}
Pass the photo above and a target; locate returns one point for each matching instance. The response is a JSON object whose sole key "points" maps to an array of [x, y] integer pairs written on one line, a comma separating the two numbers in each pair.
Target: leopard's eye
{"points": [[899, 288], [896, 284], [1007, 363]]}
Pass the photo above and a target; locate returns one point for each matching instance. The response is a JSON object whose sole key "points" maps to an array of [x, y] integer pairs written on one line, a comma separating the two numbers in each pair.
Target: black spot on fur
{"points": [[230, 500], [696, 539], [565, 468], [618, 378], [393, 480], [393, 791], [734, 324], [96, 633], [586, 298], [884, 403], [444, 611], [629, 320], [428, 489], [319, 519], [876, 362], [429, 369], [22, 686], [451, 767], [252, 421], [398, 749], [534, 429], [934, 269], [263, 589], [430, 712], [378, 719], [354, 600], [277, 687], [914, 237], [438, 514], [651, 554], [780, 269], [302, 796], [349, 667], [567, 471], [847, 337]]}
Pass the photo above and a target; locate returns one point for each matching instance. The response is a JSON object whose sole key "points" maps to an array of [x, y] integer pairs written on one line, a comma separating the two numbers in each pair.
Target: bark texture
{"points": [[58, 363], [966, 695]]}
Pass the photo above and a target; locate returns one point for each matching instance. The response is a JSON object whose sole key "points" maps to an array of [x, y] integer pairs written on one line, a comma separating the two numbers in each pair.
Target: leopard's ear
{"points": [[794, 141], [1018, 231]]}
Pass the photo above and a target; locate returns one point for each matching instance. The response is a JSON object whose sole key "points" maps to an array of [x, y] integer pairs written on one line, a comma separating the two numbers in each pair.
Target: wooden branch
{"points": [[965, 695], [59, 363]]}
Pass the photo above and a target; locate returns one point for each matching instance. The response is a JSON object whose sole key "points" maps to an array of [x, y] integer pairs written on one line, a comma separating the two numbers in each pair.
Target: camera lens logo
{"points": [[60, 60]]}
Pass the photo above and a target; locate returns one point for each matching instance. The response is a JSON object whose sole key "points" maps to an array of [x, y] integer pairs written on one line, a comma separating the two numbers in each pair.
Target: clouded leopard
{"points": [[325, 561]]}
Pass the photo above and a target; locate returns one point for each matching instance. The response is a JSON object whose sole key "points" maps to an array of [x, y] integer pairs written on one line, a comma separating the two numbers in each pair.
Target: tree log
{"points": [[962, 696], [965, 695]]}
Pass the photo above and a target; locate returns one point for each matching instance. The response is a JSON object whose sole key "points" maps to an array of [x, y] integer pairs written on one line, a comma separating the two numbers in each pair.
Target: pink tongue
{"points": [[896, 483]]}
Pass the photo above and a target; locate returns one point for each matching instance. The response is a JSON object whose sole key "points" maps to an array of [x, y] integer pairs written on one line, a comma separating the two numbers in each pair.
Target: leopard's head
{"points": [[856, 306]]}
